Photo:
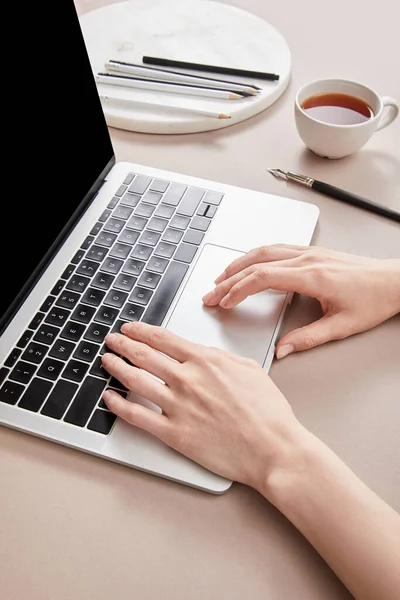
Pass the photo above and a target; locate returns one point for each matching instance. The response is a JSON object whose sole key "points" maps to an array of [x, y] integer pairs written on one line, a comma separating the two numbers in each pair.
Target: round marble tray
{"points": [[198, 31]]}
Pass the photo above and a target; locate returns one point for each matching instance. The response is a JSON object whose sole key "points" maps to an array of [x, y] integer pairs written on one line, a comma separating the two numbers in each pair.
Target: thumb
{"points": [[326, 329]]}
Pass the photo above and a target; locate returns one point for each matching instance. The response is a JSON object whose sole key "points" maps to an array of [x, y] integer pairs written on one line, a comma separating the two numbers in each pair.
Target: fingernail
{"points": [[106, 395], [208, 296], [225, 301], [110, 338], [284, 351], [220, 277]]}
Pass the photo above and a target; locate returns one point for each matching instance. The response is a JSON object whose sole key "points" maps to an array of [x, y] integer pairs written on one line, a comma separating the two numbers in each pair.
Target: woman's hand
{"points": [[219, 409], [356, 293]]}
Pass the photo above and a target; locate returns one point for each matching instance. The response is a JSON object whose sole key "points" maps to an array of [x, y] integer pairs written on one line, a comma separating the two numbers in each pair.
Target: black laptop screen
{"points": [[60, 142]]}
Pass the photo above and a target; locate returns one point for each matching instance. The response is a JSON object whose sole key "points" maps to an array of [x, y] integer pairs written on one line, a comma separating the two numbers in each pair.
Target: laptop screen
{"points": [[60, 146]]}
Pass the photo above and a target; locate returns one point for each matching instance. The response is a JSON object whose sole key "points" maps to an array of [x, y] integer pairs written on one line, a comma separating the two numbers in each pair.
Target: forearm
{"points": [[354, 530]]}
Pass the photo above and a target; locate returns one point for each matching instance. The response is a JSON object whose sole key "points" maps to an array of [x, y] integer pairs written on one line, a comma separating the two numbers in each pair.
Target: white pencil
{"points": [[173, 76], [156, 86], [128, 103]]}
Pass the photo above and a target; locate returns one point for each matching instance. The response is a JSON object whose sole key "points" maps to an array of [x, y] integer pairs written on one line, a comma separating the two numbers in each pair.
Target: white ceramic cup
{"points": [[336, 141]]}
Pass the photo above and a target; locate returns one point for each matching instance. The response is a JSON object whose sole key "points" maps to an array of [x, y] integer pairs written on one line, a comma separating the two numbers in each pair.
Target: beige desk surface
{"points": [[78, 527]]}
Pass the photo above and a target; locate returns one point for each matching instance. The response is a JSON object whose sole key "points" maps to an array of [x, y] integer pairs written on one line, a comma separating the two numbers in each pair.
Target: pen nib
{"points": [[278, 173]]}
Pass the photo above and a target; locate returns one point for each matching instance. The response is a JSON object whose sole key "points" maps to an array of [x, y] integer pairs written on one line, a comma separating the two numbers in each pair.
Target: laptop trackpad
{"points": [[247, 329]]}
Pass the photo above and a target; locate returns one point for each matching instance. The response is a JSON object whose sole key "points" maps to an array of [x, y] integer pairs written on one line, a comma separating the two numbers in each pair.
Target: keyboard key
{"points": [[172, 235], [78, 257], [96, 228], [104, 215], [140, 184], [93, 296], [128, 236], [46, 334], [213, 197], [145, 210], [106, 238], [85, 400], [59, 399], [137, 223], [62, 349], [120, 250], [152, 197], [57, 316], [125, 282], [112, 265], [102, 404], [73, 331], [193, 236], [58, 287], [157, 264], [149, 279], [159, 185], [78, 283], [164, 211], [24, 339], [115, 298], [200, 223], [142, 252], [22, 372], [96, 253], [130, 199], [165, 293], [122, 212], [165, 250], [149, 237], [131, 312], [102, 421], [37, 319], [128, 179], [120, 191], [68, 271], [190, 202], [102, 280], [133, 267], [185, 252], [10, 392], [75, 371], [114, 225], [50, 369], [106, 315], [140, 295], [116, 328], [157, 224], [68, 299], [13, 357], [113, 202], [87, 267], [98, 369], [179, 222], [35, 394], [86, 351], [83, 313], [174, 194], [96, 332], [35, 353], [87, 242], [3, 374]]}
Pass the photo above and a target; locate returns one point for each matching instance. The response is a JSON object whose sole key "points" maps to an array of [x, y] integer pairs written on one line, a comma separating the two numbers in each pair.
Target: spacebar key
{"points": [[165, 293]]}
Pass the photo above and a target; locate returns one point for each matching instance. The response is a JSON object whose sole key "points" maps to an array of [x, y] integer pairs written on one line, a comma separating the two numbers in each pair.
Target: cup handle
{"points": [[390, 111]]}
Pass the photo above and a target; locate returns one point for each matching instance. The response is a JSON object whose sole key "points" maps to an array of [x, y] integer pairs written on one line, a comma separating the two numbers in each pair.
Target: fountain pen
{"points": [[338, 193]]}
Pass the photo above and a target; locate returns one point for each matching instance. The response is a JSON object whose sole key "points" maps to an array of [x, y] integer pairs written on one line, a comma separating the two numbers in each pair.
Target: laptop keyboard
{"points": [[129, 268]]}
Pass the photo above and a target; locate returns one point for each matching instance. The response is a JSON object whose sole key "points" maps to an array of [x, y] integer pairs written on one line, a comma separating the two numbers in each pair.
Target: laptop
{"points": [[95, 243]]}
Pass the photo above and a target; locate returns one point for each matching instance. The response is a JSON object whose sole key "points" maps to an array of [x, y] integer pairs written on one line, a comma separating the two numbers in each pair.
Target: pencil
{"points": [[162, 86], [131, 103], [165, 62], [167, 75]]}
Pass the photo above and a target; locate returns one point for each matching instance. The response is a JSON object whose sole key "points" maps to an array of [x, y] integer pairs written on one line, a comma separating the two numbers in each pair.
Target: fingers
{"points": [[160, 339], [326, 329], [142, 356], [262, 277], [138, 381], [137, 415], [261, 255]]}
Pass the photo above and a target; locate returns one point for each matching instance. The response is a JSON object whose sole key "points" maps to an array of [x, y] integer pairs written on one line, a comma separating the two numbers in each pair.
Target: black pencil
{"points": [[165, 62]]}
